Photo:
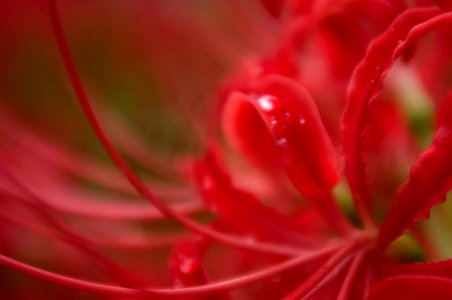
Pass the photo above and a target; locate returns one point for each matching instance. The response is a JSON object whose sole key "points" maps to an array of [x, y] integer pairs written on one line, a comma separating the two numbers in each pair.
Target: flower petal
{"points": [[430, 176], [413, 287], [440, 268], [243, 212], [430, 179], [390, 148], [275, 124], [365, 85], [443, 115]]}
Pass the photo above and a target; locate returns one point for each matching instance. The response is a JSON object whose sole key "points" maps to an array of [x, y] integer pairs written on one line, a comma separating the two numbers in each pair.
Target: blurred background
{"points": [[151, 70]]}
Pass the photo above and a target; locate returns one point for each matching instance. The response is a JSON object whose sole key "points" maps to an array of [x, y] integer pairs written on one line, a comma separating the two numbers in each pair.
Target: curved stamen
{"points": [[228, 284], [333, 265], [134, 180], [352, 272]]}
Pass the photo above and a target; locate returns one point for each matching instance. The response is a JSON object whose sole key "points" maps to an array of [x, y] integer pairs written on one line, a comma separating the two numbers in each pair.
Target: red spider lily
{"points": [[270, 226]]}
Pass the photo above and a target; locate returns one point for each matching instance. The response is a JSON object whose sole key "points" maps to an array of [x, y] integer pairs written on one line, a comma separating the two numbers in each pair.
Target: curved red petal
{"points": [[413, 287], [247, 133], [242, 211], [365, 85], [275, 123], [441, 268], [390, 147], [430, 176], [430, 179], [273, 7], [443, 114]]}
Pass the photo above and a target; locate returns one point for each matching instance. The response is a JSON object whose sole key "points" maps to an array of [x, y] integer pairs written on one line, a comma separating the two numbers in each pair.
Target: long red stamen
{"points": [[64, 233], [134, 180], [229, 284], [352, 272], [316, 278]]}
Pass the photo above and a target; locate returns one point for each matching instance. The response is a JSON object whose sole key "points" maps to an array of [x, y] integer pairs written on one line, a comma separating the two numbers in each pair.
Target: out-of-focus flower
{"points": [[261, 150]]}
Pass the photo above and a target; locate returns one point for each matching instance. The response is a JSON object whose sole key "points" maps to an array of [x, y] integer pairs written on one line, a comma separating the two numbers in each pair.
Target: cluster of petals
{"points": [[313, 181]]}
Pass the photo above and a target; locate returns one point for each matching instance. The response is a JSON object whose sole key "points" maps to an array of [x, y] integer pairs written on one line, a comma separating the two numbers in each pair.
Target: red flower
{"points": [[273, 228]]}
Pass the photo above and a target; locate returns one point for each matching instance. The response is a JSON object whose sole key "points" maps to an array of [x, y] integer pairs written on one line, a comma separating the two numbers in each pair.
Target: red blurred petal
{"points": [[412, 288], [443, 114], [243, 212], [186, 264], [389, 148], [187, 269], [273, 6], [441, 268]]}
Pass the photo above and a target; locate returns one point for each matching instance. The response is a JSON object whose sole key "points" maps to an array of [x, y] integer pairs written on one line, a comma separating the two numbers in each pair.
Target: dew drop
{"points": [[266, 102], [378, 68], [301, 120], [187, 266], [372, 81], [273, 122], [282, 142]]}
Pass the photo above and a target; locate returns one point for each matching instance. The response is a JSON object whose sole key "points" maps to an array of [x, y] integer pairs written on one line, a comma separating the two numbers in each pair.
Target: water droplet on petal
{"points": [[273, 121], [282, 142], [266, 102], [301, 120], [287, 115], [187, 266]]}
